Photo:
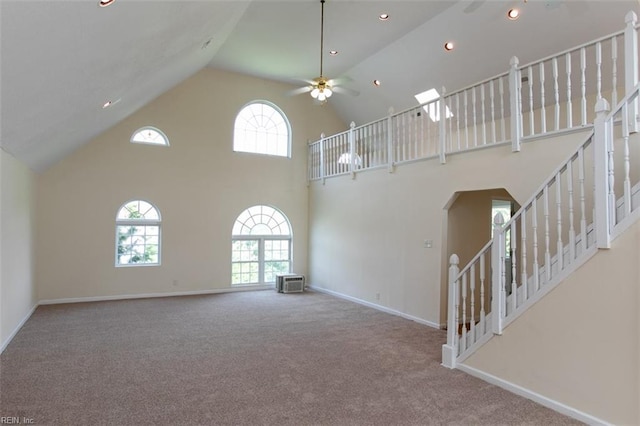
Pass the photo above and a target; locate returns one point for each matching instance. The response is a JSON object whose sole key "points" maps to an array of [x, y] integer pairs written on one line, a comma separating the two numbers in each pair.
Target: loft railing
{"points": [[589, 200], [541, 98]]}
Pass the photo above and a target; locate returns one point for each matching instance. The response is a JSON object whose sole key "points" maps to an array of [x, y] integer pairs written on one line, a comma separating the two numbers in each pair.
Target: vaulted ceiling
{"points": [[61, 60]]}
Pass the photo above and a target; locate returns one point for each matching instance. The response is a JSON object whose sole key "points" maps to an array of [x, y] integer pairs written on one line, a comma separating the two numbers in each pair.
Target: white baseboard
{"points": [[18, 327], [152, 295], [533, 396], [374, 306]]}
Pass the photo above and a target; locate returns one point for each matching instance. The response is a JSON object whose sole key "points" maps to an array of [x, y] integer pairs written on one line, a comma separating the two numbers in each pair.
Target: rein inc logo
{"points": [[7, 420]]}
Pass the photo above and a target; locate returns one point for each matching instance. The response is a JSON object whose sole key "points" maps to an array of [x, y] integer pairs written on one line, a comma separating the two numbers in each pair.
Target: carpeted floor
{"points": [[248, 358]]}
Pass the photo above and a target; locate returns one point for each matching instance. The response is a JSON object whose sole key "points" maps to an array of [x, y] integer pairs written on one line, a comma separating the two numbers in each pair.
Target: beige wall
{"points": [[580, 344], [367, 235], [198, 183], [17, 224]]}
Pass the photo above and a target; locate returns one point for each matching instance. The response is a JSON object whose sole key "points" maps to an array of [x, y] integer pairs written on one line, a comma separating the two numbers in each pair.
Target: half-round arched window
{"points": [[150, 135], [138, 234], [261, 128], [261, 246]]}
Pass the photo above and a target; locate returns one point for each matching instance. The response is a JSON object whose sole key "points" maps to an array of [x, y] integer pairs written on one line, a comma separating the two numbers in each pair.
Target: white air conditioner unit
{"points": [[290, 283]]}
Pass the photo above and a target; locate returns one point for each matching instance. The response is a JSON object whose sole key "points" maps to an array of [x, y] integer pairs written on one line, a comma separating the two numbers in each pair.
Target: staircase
{"points": [[588, 201]]}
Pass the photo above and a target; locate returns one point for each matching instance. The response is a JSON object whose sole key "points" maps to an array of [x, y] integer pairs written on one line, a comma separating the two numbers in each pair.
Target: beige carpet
{"points": [[249, 358]]}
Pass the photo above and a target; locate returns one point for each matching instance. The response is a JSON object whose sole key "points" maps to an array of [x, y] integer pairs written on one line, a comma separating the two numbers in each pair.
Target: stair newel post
{"points": [[498, 291], [442, 126], [352, 150], [516, 107], [631, 66], [450, 350], [390, 156], [322, 171], [601, 136]]}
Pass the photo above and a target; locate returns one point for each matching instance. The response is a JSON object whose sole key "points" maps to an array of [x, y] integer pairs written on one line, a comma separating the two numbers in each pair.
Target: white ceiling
{"points": [[61, 60]]}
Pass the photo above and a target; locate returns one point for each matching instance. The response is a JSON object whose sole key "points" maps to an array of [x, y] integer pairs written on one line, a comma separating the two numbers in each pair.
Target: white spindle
{"points": [[493, 111], [611, 180], [482, 294], [631, 65], [569, 105], [547, 242], [532, 128], [463, 345], [466, 122], [560, 245], [472, 315], [514, 260], [450, 350], [458, 119], [543, 112], [614, 70], [583, 84], [626, 159], [556, 94], [534, 229], [475, 117], [503, 124], [523, 255], [572, 232], [602, 214], [599, 70], [484, 121], [583, 207]]}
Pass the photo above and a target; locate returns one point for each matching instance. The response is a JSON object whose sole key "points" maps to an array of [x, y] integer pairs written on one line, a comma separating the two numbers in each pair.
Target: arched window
{"points": [[150, 135], [261, 128], [261, 246], [137, 234]]}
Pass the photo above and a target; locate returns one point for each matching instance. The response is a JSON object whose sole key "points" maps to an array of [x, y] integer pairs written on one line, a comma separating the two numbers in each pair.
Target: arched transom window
{"points": [[261, 246], [150, 135], [261, 128], [137, 234]]}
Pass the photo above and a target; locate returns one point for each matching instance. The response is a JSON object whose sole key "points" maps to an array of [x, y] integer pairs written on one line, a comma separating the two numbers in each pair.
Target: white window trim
{"points": [[138, 222], [155, 129], [285, 119]]}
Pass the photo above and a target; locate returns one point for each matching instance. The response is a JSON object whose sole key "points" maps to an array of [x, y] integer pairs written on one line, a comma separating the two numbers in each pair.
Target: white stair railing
{"points": [[581, 207], [544, 97]]}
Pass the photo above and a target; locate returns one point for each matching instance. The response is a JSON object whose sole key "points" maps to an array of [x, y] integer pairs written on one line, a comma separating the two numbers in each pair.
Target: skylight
{"points": [[432, 108]]}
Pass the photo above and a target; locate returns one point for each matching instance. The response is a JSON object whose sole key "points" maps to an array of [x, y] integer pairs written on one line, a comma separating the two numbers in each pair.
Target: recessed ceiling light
{"points": [[377, 82], [333, 52], [105, 3], [107, 104], [383, 16], [448, 46], [513, 14]]}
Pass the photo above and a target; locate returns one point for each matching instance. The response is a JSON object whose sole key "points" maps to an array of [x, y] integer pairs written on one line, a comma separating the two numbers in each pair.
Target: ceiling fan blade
{"points": [[299, 91], [345, 90]]}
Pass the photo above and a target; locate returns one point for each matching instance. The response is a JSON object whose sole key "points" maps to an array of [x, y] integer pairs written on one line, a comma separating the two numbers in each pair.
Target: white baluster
{"points": [[523, 255], [599, 70], [390, 156], [482, 325], [583, 207], [559, 246], [572, 232], [543, 112], [463, 345], [534, 228], [583, 83], [603, 215], [547, 242], [614, 70], [450, 350], [626, 159], [450, 135], [472, 315], [532, 127], [514, 259], [610, 168], [631, 65], [503, 130], [493, 111], [458, 119], [466, 123], [569, 105], [556, 93], [498, 293], [484, 121], [475, 117], [322, 163]]}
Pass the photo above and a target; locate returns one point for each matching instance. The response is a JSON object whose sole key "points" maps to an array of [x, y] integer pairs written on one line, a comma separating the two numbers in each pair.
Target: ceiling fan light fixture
{"points": [[327, 92], [315, 92]]}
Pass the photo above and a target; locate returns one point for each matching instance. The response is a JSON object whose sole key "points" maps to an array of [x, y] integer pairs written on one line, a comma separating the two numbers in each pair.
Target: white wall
{"points": [[367, 235], [580, 344], [199, 184], [17, 224]]}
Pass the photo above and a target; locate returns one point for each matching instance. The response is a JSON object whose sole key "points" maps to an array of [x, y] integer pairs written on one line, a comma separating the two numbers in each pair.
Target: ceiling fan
{"points": [[321, 88]]}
